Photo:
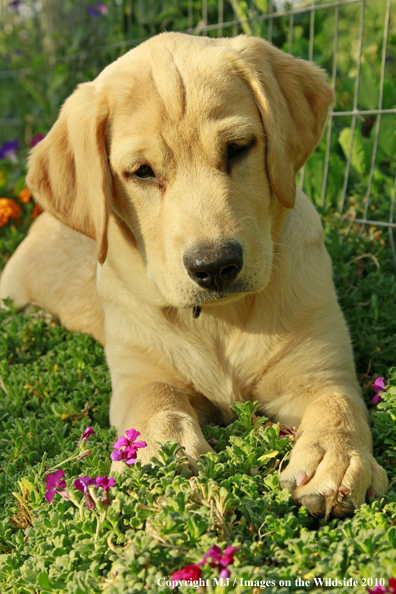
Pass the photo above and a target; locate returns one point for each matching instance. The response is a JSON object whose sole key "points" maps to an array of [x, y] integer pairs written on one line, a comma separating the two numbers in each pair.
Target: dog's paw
{"points": [[330, 475]]}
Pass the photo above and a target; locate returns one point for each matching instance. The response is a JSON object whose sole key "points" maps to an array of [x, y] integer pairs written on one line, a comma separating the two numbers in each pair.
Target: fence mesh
{"points": [[47, 48]]}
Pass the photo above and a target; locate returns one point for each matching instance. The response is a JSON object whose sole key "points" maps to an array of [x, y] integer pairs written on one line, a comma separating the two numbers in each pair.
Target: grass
{"points": [[54, 384]]}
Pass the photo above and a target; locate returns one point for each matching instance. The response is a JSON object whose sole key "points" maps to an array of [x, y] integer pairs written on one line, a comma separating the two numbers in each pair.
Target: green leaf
{"points": [[358, 159]]}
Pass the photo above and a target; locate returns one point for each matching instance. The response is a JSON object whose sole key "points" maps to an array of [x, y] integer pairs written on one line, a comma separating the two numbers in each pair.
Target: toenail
{"points": [[301, 479]]}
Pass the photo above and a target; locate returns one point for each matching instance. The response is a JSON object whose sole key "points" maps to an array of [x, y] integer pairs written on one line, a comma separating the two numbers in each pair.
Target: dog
{"points": [[175, 235]]}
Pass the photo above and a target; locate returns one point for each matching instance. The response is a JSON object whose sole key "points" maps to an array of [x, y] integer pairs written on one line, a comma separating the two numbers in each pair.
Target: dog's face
{"points": [[194, 144], [189, 167]]}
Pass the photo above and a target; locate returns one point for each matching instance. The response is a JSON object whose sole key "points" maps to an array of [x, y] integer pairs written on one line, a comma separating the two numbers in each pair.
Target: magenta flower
{"points": [[8, 150], [129, 454], [228, 556], [378, 386], [190, 572], [36, 139], [105, 483], [82, 485], [382, 589], [56, 485], [220, 560], [286, 431], [98, 9], [214, 554], [85, 436]]}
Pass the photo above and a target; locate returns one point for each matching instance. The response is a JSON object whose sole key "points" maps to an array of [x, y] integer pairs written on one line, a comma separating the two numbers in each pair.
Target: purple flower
{"points": [[378, 386], [383, 590], [8, 150], [228, 556], [98, 9], [36, 139], [82, 484], [129, 454], [105, 482], [55, 485], [220, 560], [214, 553], [14, 6], [286, 431], [85, 436]]}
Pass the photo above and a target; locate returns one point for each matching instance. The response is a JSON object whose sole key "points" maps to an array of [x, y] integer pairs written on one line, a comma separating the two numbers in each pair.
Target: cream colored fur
{"points": [[277, 335]]}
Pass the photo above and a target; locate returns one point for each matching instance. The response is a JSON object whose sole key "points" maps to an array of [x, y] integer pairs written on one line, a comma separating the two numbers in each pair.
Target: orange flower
{"points": [[9, 209], [37, 210], [25, 195]]}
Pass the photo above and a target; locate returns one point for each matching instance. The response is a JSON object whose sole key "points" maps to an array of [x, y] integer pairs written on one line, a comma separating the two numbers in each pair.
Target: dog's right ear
{"points": [[68, 173]]}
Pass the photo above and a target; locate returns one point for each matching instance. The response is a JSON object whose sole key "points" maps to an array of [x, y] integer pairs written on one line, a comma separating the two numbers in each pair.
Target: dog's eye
{"points": [[236, 151], [144, 171]]}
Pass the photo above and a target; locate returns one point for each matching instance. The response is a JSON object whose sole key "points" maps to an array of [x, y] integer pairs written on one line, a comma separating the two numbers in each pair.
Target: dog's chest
{"points": [[223, 363]]}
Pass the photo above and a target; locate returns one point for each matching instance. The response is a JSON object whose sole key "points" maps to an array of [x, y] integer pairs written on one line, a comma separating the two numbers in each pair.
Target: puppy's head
{"points": [[194, 143]]}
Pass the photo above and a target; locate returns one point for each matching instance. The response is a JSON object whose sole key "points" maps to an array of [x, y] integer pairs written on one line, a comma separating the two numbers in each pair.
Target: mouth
{"points": [[214, 298]]}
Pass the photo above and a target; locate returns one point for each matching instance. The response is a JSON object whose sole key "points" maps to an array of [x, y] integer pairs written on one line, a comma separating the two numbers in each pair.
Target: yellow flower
{"points": [[9, 209]]}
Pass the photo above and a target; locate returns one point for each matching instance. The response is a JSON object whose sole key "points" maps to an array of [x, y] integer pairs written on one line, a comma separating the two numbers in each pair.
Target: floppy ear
{"points": [[68, 171], [294, 99]]}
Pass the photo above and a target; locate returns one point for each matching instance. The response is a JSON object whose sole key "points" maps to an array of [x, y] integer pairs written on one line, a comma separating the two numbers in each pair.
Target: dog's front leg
{"points": [[161, 413], [332, 469]]}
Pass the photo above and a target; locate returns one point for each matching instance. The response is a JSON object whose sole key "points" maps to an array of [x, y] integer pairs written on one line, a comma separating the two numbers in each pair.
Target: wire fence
{"points": [[352, 171]]}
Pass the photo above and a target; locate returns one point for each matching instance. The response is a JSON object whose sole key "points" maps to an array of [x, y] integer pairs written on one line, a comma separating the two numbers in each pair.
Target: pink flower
{"points": [[56, 485], [105, 483], [378, 386], [36, 139], [190, 572], [383, 590], [85, 436], [82, 484], [214, 554], [228, 556], [129, 454], [218, 559]]}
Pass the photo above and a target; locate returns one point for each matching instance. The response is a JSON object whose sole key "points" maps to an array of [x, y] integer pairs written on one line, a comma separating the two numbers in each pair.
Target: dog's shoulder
{"points": [[303, 226]]}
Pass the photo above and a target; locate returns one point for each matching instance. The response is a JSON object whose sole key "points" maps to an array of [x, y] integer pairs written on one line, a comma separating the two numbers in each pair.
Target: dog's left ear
{"points": [[294, 100], [68, 173]]}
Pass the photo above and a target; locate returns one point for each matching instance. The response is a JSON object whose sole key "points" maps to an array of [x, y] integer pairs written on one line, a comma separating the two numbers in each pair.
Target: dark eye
{"points": [[236, 151], [144, 171]]}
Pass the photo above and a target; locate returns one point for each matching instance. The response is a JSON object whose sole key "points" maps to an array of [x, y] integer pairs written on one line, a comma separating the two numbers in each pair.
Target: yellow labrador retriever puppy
{"points": [[180, 242]]}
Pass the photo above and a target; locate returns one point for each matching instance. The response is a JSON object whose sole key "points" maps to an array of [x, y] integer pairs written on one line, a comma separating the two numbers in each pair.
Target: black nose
{"points": [[214, 266]]}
